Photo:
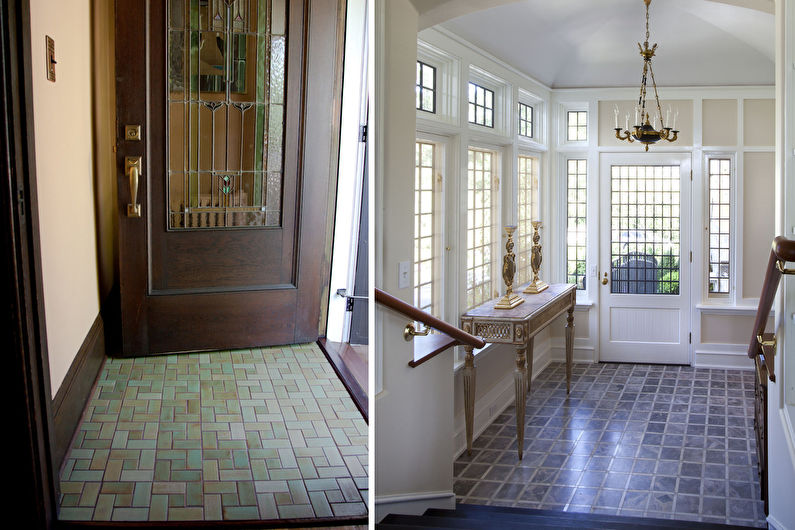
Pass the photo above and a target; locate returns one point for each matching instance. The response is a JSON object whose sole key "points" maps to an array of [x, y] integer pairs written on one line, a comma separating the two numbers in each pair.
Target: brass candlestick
{"points": [[510, 300], [536, 286]]}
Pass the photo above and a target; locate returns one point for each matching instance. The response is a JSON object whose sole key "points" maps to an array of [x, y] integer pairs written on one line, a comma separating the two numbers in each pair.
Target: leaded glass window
{"points": [[577, 126], [719, 224], [644, 229], [480, 226], [525, 120], [424, 244], [226, 97], [481, 105], [526, 214], [426, 87], [576, 221]]}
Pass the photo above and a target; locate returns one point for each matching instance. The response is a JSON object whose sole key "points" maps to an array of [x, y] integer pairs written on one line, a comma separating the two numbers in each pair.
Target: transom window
{"points": [[525, 120], [719, 225], [426, 87], [424, 170], [481, 105], [577, 126], [576, 227], [527, 211], [480, 226]]}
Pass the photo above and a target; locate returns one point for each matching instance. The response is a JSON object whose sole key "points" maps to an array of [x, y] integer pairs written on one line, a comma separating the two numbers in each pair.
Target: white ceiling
{"points": [[577, 43]]}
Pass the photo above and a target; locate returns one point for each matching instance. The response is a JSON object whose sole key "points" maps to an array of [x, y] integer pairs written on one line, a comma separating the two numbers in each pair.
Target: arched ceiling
{"points": [[575, 44]]}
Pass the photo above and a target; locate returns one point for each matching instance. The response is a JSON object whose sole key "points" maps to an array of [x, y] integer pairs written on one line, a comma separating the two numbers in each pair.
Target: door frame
{"points": [[26, 376], [606, 160]]}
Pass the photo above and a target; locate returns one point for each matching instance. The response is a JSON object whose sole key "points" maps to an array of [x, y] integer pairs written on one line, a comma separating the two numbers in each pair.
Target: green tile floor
{"points": [[265, 433]]}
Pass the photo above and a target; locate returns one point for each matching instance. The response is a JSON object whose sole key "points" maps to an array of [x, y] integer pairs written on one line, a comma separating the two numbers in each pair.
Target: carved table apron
{"points": [[517, 326]]}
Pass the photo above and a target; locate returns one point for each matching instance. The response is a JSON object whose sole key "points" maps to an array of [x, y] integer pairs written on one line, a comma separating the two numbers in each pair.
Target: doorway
{"points": [[645, 258]]}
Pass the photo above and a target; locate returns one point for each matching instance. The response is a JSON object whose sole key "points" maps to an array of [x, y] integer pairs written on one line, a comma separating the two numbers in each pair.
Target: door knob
{"points": [[132, 168], [604, 280]]}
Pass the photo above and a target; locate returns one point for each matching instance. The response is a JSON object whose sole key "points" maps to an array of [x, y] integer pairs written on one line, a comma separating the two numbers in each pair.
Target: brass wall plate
{"points": [[132, 132], [50, 58]]}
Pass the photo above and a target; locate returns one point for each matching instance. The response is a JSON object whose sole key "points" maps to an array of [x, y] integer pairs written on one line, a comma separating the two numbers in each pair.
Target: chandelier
{"points": [[645, 131]]}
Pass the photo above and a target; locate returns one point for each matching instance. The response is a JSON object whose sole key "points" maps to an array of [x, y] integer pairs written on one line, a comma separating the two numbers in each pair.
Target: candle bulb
{"points": [[626, 122], [668, 114], [654, 122], [636, 116], [675, 115], [615, 113]]}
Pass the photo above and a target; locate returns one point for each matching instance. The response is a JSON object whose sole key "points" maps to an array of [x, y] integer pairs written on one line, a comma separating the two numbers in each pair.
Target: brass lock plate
{"points": [[132, 132]]}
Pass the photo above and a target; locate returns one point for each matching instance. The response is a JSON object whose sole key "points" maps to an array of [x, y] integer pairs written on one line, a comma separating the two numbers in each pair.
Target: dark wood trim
{"points": [[431, 346], [413, 313], [358, 395], [75, 391], [25, 369]]}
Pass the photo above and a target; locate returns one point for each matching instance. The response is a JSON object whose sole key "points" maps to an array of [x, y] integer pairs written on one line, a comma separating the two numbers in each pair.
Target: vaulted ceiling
{"points": [[576, 43]]}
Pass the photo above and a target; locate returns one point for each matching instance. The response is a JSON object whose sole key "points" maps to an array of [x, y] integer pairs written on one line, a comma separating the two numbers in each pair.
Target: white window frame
{"points": [[446, 81], [539, 160], [538, 141], [503, 110], [563, 125], [496, 229], [437, 305]]}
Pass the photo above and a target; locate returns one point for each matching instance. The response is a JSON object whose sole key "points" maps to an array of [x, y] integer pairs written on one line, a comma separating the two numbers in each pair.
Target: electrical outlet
{"points": [[403, 274]]}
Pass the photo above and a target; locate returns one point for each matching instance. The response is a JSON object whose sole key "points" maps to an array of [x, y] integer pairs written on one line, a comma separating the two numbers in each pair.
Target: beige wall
{"points": [[758, 229], [76, 188], [719, 119], [728, 329], [759, 122]]}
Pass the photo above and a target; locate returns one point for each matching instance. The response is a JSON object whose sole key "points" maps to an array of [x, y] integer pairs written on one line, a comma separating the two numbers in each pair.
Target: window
{"points": [[527, 212], [525, 120], [426, 87], [480, 226], [576, 208], [424, 227], [481, 105], [577, 125], [719, 224]]}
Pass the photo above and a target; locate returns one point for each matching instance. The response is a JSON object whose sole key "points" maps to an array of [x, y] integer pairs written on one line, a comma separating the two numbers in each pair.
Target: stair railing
{"points": [[762, 347], [427, 346]]}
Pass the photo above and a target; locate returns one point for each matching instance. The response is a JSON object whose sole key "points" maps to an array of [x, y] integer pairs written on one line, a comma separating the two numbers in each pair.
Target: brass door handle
{"points": [[132, 168], [604, 280]]}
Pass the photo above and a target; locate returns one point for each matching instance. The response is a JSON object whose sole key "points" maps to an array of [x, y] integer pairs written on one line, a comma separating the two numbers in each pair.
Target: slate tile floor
{"points": [[643, 440], [266, 433]]}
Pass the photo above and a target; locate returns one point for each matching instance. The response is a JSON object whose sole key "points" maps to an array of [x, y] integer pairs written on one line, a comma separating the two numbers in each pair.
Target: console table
{"points": [[517, 326]]}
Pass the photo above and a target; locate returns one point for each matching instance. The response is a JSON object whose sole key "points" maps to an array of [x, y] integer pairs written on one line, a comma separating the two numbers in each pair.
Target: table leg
{"points": [[529, 370], [469, 394], [520, 388], [569, 347]]}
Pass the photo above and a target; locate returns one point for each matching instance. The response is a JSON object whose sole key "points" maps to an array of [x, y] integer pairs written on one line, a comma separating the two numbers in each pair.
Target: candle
{"points": [[668, 114], [654, 122], [636, 116], [675, 115], [615, 113], [626, 122]]}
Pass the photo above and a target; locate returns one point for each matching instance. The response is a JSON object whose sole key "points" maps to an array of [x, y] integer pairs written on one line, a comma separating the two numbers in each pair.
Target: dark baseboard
{"points": [[353, 387], [72, 396]]}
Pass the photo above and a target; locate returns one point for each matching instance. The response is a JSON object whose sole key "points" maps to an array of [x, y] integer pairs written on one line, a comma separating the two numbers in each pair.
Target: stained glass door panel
{"points": [[227, 252], [226, 79]]}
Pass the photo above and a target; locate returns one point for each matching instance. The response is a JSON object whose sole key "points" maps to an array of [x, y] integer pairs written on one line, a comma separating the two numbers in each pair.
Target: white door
{"points": [[644, 277]]}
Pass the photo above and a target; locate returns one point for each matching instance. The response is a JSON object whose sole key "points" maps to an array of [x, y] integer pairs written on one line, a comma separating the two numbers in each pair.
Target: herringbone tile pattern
{"points": [[265, 433]]}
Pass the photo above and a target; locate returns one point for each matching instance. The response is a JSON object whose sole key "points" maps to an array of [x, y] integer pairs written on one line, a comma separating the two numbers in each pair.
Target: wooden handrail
{"points": [[384, 298], [782, 251]]}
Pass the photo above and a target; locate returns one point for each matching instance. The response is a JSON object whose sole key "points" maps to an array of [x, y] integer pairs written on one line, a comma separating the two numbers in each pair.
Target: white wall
{"points": [[65, 177], [414, 409], [781, 394]]}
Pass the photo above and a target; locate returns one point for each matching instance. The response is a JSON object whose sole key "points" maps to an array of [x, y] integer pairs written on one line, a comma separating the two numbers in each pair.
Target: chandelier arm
{"points": [[656, 96], [642, 98]]}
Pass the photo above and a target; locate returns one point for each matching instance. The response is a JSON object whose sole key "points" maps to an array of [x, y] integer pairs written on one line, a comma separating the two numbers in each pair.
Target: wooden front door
{"points": [[238, 107]]}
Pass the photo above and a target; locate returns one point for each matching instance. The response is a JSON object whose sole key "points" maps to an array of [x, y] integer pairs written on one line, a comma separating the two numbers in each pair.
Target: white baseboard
{"points": [[726, 356], [580, 354], [496, 400], [413, 503], [774, 524]]}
